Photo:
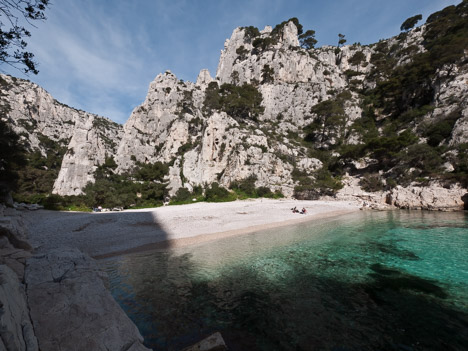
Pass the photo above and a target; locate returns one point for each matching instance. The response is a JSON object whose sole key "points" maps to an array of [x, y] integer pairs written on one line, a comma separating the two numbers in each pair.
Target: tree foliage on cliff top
{"points": [[409, 86], [240, 102]]}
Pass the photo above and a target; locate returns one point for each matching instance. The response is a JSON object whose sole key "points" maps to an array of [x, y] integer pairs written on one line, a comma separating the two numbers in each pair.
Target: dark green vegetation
{"points": [[11, 158], [391, 129], [307, 39], [341, 39], [29, 173], [143, 187], [240, 190], [240, 102], [37, 176], [312, 186], [328, 127], [245, 188], [410, 22]]}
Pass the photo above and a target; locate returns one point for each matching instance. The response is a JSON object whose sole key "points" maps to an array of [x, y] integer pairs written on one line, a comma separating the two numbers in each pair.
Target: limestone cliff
{"points": [[309, 115], [39, 119]]}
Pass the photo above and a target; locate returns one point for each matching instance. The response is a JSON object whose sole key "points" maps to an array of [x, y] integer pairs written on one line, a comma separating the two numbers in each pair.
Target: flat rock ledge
{"points": [[70, 307], [56, 300]]}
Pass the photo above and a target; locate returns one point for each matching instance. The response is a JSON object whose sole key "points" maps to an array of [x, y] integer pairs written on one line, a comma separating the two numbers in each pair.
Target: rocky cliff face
{"points": [[321, 109], [39, 119]]}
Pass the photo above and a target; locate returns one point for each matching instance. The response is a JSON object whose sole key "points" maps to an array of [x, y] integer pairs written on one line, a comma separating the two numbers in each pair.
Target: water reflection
{"points": [[337, 285]]}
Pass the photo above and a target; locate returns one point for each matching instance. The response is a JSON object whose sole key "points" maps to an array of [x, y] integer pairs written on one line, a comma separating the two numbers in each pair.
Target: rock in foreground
{"points": [[70, 307], [16, 331]]}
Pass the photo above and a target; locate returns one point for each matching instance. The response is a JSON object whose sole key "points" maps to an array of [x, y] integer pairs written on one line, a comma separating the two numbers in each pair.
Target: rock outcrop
{"points": [[16, 330], [55, 300], [70, 307], [41, 120], [14, 247], [433, 197]]}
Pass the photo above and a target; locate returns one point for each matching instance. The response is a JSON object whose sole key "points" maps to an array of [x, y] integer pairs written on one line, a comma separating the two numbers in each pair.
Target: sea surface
{"points": [[393, 280]]}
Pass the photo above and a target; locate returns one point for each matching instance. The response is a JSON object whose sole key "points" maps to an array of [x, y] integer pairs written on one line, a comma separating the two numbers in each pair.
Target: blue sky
{"points": [[101, 55]]}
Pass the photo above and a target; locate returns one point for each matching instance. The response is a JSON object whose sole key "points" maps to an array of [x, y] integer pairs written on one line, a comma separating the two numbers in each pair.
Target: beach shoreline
{"points": [[202, 238], [108, 234]]}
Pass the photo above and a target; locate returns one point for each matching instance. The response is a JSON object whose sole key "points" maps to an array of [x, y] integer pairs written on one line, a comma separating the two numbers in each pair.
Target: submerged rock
{"points": [[214, 342]]}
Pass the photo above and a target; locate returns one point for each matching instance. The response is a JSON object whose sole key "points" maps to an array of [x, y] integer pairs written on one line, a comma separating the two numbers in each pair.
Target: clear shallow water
{"points": [[367, 281]]}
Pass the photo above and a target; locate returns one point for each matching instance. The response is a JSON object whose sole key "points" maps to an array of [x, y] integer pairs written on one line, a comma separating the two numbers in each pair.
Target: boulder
{"points": [[214, 342], [70, 307], [16, 331], [433, 197], [13, 228]]}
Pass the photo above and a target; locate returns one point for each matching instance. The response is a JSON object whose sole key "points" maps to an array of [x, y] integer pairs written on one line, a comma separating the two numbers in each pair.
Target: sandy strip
{"points": [[115, 233]]}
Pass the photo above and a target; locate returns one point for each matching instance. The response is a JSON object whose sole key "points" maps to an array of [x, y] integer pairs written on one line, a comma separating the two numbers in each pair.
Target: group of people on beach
{"points": [[295, 210]]}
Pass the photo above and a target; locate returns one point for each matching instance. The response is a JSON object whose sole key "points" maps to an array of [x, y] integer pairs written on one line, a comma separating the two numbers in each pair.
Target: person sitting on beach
{"points": [[303, 211], [294, 210]]}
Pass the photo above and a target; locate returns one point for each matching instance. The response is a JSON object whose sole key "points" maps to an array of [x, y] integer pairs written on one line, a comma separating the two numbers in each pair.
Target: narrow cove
{"points": [[371, 280]]}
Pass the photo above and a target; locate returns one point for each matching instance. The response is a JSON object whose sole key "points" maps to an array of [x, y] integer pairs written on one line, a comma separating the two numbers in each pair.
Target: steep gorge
{"points": [[299, 120]]}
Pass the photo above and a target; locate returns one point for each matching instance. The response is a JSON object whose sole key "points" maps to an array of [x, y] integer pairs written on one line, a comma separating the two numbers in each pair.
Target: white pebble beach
{"points": [[113, 233]]}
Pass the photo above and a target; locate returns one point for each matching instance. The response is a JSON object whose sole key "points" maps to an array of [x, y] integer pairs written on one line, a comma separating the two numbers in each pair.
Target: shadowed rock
{"points": [[70, 307]]}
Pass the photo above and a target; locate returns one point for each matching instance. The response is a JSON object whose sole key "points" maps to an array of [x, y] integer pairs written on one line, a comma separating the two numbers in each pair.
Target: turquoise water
{"points": [[367, 281]]}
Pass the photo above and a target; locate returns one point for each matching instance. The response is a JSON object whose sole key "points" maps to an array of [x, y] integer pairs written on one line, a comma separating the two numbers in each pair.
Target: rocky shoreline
{"points": [[56, 300], [434, 197]]}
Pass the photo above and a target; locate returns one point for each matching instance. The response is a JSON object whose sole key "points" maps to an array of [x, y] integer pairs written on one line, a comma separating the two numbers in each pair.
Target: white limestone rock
{"points": [[204, 78], [433, 197], [150, 127], [35, 114], [93, 140]]}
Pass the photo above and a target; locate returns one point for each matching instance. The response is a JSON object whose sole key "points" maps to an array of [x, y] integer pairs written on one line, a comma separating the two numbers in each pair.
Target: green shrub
{"points": [[251, 32], [246, 187], [423, 157], [182, 195], [350, 73], [322, 183], [330, 121], [35, 173], [184, 148], [240, 102], [216, 193], [278, 30], [151, 171], [357, 58], [242, 52], [441, 129], [197, 190], [261, 44], [371, 182], [268, 74], [264, 191]]}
